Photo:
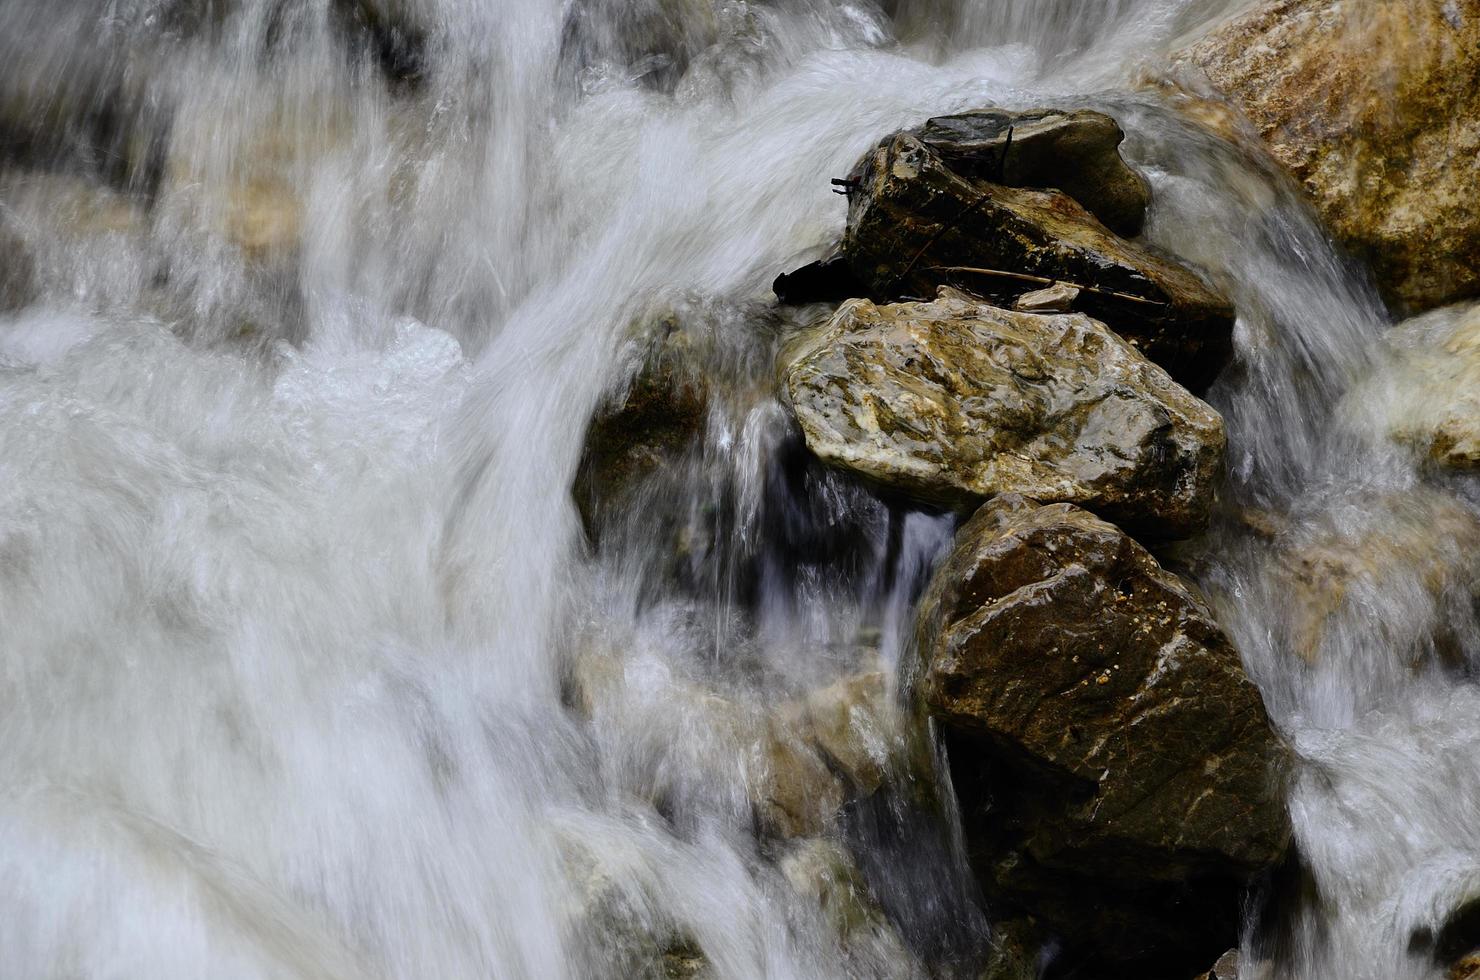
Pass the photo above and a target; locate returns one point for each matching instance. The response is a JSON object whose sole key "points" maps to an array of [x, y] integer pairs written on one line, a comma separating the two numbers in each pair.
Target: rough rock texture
{"points": [[955, 401], [1117, 770], [653, 420], [1227, 968], [1075, 151], [1428, 390], [1375, 108], [914, 223]]}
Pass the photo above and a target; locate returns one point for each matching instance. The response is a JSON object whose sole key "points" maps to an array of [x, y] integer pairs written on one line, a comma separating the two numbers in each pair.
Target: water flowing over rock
{"points": [[1427, 390], [955, 401], [651, 40], [1074, 151], [915, 223], [1119, 776], [1375, 109], [648, 424]]}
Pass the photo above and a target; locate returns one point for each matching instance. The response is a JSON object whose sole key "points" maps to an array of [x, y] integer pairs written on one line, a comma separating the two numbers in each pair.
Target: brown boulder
{"points": [[956, 401], [914, 224], [1375, 109], [648, 423], [1116, 767]]}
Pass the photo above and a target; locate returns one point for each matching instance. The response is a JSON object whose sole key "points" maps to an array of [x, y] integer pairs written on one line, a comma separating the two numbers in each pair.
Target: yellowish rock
{"points": [[1374, 107]]}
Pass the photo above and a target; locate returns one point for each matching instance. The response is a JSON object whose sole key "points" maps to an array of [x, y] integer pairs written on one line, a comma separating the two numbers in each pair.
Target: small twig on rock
{"points": [[1044, 281]]}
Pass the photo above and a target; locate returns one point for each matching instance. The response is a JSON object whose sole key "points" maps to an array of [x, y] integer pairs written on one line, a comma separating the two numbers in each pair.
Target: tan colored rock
{"points": [[1465, 968], [1106, 744], [955, 401], [1058, 298], [1341, 574], [1375, 108], [914, 224], [1429, 388]]}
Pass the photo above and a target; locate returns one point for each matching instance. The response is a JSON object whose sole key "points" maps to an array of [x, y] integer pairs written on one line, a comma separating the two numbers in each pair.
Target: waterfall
{"points": [[308, 667]]}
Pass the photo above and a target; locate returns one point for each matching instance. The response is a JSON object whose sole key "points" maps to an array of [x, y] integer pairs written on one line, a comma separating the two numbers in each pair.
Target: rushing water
{"points": [[306, 667]]}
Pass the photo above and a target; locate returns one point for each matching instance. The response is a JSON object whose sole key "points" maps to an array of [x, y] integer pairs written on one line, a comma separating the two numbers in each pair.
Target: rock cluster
{"points": [[1001, 351], [956, 401], [1375, 109], [919, 218]]}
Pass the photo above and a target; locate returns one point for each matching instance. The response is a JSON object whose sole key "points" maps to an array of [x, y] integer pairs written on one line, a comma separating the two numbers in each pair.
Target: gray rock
{"points": [[955, 401]]}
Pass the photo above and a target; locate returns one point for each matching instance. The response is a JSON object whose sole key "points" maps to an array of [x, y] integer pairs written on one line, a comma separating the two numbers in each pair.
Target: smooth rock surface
{"points": [[955, 401], [1427, 390], [914, 224], [650, 422], [1075, 151], [1118, 773], [1375, 108]]}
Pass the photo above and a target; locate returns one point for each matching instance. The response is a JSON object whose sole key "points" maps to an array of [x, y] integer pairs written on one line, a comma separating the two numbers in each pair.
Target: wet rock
{"points": [[914, 223], [1058, 298], [1428, 390], [829, 280], [1012, 954], [1227, 968], [615, 917], [1464, 968], [649, 423], [955, 401], [796, 794], [650, 40], [17, 270], [393, 31], [823, 873], [1353, 579], [839, 742], [1074, 151], [1117, 770], [1375, 109]]}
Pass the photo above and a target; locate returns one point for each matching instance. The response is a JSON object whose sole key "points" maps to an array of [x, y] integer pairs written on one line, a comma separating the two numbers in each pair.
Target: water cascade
{"points": [[313, 664]]}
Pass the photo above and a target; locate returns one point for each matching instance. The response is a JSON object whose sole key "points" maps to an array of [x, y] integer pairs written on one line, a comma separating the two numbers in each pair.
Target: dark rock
{"points": [[829, 280], [915, 224], [1455, 945], [1116, 768], [955, 401], [1076, 152], [650, 40], [650, 422], [392, 32]]}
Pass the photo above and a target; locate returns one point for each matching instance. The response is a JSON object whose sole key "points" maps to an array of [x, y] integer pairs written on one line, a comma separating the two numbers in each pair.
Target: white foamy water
{"points": [[292, 589]]}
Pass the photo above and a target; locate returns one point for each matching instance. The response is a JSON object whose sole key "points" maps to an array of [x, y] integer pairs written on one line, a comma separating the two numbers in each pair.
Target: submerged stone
{"points": [[1427, 390], [915, 223], [1116, 767], [649, 423], [955, 401]]}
